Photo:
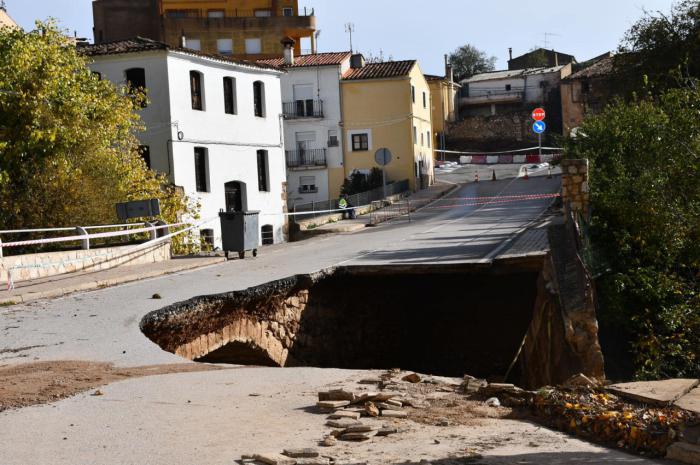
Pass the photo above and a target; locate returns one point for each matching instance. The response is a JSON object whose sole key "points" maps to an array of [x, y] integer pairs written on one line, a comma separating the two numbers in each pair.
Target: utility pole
{"points": [[349, 29]]}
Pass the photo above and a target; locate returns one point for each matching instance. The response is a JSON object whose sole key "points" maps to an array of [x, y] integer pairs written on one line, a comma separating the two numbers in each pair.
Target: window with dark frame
{"points": [[425, 100], [200, 169], [136, 82], [145, 152], [263, 184], [360, 142], [413, 94], [585, 87], [259, 98], [287, 11], [508, 87], [427, 135], [196, 90], [230, 96]]}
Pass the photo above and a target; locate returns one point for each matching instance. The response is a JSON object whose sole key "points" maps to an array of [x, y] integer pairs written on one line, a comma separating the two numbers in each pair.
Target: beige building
{"points": [[387, 105], [244, 29], [5, 20]]}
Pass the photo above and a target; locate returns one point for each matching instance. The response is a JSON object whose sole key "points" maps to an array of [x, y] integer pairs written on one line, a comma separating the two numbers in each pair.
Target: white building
{"points": [[504, 91], [312, 117], [213, 125]]}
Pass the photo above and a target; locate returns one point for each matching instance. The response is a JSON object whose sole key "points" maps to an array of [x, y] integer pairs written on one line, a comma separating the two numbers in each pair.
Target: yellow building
{"points": [[443, 92], [386, 105], [249, 29]]}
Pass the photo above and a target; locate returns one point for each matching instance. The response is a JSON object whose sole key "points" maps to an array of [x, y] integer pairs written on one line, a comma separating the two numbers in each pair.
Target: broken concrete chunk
{"points": [[332, 404], [274, 459], [473, 385], [386, 431], [371, 409], [303, 453], [329, 441], [370, 381], [361, 428], [394, 414], [394, 402], [412, 378], [493, 402], [384, 396], [338, 414], [358, 436], [336, 394], [314, 461], [387, 406], [343, 423], [684, 452]]}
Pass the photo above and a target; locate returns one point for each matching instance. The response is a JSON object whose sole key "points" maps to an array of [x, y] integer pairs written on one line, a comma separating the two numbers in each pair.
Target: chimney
{"points": [[357, 61], [183, 39], [288, 44], [556, 59], [449, 72], [510, 53]]}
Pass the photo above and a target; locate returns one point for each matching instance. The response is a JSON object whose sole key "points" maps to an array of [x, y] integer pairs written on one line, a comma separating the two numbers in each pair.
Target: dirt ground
{"points": [[45, 382]]}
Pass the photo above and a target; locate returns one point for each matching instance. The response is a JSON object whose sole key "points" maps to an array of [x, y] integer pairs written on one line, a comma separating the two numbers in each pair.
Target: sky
{"points": [[426, 31]]}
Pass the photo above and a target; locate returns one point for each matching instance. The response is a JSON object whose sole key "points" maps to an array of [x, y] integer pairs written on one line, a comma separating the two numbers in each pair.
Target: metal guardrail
{"points": [[303, 109], [383, 211], [305, 157], [155, 230], [356, 200]]}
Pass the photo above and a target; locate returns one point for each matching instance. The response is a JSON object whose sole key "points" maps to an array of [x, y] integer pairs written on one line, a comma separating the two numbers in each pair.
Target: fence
{"points": [[323, 208], [384, 211]]}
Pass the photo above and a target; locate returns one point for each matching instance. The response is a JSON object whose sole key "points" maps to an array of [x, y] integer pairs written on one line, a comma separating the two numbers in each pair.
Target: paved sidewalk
{"points": [[56, 286]]}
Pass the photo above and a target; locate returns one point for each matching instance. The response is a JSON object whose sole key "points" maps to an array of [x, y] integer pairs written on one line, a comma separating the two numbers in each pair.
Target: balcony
{"points": [[303, 109], [306, 158]]}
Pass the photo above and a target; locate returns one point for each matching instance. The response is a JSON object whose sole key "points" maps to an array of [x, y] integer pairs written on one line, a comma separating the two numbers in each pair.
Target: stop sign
{"points": [[538, 114]]}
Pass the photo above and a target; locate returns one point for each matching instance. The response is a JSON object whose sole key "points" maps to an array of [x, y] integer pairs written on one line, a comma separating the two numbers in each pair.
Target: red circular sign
{"points": [[538, 114]]}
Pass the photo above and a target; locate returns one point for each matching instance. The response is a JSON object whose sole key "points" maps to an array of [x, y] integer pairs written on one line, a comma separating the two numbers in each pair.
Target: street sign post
{"points": [[383, 157], [539, 115]]}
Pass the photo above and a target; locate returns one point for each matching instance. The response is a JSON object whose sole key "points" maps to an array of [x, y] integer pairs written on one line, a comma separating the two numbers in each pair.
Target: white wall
{"points": [[231, 141], [326, 85]]}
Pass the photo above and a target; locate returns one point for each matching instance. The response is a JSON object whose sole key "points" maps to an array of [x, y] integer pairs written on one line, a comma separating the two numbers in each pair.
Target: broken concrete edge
{"points": [[647, 394], [684, 452], [101, 283]]}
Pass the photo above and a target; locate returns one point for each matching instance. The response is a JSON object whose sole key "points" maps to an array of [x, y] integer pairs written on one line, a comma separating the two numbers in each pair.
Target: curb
{"points": [[100, 284]]}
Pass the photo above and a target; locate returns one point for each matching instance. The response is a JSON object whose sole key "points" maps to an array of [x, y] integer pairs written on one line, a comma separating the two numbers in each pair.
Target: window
{"points": [[585, 87], [193, 44], [425, 100], [287, 11], [415, 135], [263, 183], [508, 87], [196, 91], [259, 98], [224, 46], [360, 142], [207, 238], [263, 13], [422, 139], [307, 185], [136, 82], [145, 152], [427, 136], [267, 233], [413, 93], [304, 99], [180, 14], [230, 96], [333, 138], [253, 46], [200, 169], [215, 14]]}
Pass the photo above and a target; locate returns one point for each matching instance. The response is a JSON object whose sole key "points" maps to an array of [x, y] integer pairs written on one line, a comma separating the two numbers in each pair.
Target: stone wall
{"points": [[42, 265], [497, 132], [574, 182]]}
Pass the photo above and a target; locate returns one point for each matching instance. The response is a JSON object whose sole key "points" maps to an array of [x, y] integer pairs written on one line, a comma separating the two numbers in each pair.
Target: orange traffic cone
{"points": [[527, 176], [493, 177]]}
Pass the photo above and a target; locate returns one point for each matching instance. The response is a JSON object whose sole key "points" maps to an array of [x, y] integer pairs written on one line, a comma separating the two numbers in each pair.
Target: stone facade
{"points": [[43, 265], [575, 190], [492, 132]]}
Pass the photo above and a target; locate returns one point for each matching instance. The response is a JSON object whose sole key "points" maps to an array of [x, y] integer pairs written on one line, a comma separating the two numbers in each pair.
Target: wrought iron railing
{"points": [[303, 109], [306, 158]]}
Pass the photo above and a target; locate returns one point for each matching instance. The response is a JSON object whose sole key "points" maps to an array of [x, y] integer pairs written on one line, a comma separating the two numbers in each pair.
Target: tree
{"points": [[645, 197], [68, 151], [660, 51], [359, 182], [468, 60]]}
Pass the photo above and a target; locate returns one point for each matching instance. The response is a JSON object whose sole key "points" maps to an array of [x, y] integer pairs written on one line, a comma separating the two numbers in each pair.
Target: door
{"points": [[304, 98], [235, 196]]}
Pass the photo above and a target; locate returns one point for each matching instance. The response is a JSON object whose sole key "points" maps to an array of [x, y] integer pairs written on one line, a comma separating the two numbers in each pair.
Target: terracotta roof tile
{"points": [[384, 70], [319, 59], [602, 67], [141, 44], [433, 77]]}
